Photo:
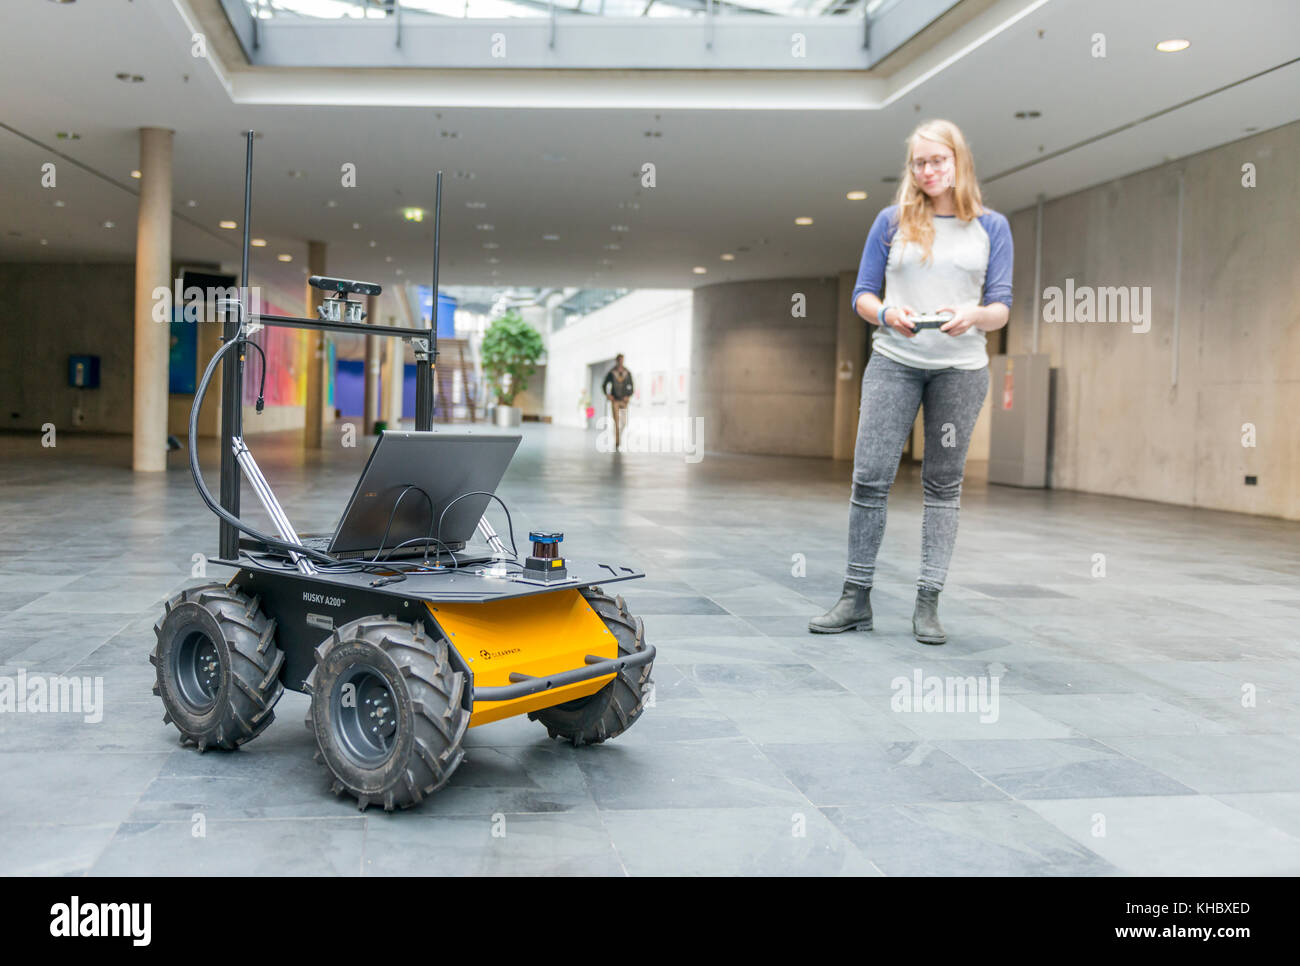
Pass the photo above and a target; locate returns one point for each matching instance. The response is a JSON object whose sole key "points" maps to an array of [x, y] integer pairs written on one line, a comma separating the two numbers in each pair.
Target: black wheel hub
{"points": [[364, 709], [196, 665]]}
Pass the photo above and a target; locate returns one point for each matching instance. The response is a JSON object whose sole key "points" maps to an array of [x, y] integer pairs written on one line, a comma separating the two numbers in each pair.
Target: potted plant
{"points": [[510, 350]]}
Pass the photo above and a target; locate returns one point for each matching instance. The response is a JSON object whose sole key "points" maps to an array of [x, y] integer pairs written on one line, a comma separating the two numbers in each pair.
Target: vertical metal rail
{"points": [[232, 381], [426, 361]]}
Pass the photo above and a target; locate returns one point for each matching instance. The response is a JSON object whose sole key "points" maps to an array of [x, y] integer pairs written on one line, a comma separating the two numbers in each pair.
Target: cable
{"points": [[509, 523]]}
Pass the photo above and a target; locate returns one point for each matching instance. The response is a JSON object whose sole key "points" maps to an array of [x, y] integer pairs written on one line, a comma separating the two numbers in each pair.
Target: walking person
{"points": [[618, 390], [937, 249]]}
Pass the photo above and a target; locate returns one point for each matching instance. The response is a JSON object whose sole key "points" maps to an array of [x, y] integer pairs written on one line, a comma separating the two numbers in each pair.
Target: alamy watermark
{"points": [[953, 695], [654, 434], [1120, 304], [25, 693]]}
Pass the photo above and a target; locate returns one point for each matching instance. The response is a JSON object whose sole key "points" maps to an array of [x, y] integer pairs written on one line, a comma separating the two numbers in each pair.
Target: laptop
{"points": [[445, 464]]}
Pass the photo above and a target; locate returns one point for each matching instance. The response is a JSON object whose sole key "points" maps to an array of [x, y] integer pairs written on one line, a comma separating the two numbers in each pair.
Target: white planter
{"points": [[508, 416]]}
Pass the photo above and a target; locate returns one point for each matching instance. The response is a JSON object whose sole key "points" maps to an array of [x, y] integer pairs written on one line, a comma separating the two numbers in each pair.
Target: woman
{"points": [[937, 249]]}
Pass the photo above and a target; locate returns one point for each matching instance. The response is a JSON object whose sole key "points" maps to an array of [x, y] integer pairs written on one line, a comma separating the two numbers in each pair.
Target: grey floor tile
{"points": [[964, 839], [1174, 836], [772, 841]]}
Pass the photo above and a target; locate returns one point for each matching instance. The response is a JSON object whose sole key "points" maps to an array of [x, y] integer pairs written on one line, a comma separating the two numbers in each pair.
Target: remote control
{"points": [[920, 322]]}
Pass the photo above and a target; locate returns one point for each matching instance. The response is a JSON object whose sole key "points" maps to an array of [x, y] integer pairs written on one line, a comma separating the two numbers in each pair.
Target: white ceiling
{"points": [[729, 178]]}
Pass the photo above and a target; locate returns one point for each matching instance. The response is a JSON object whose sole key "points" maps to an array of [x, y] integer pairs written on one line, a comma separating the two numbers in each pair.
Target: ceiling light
{"points": [[476, 204], [388, 258], [227, 224], [373, 243], [331, 203], [60, 203], [1173, 46], [700, 270], [728, 257], [45, 241], [258, 242], [356, 225], [803, 220], [484, 227], [109, 224], [413, 214], [619, 228], [191, 203], [135, 174], [284, 257], [856, 196], [550, 238]]}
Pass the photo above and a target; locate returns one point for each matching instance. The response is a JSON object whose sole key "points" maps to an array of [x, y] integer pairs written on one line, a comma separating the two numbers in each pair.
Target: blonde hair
{"points": [[915, 208]]}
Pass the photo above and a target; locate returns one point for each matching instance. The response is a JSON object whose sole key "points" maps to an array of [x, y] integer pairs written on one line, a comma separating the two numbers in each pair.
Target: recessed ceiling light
{"points": [[550, 238], [258, 242], [331, 203], [356, 225], [1173, 46], [476, 204], [373, 243], [464, 175], [856, 196], [45, 241], [68, 136], [388, 258], [700, 270], [60, 203], [803, 220], [191, 203], [109, 224], [135, 174], [284, 257], [399, 271], [413, 214], [227, 224], [619, 228], [728, 257], [484, 227]]}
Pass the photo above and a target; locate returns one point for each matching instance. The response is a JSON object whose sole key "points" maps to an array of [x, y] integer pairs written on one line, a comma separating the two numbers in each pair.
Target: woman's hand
{"points": [[901, 320], [962, 319]]}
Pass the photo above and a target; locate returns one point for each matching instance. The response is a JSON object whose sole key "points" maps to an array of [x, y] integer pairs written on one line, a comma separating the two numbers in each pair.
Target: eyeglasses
{"points": [[919, 165]]}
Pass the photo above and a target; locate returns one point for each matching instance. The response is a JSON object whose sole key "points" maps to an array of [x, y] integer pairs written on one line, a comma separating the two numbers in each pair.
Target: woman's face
{"points": [[932, 166]]}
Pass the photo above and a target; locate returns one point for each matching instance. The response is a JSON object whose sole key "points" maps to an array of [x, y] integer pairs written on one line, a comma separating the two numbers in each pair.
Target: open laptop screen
{"points": [[444, 464]]}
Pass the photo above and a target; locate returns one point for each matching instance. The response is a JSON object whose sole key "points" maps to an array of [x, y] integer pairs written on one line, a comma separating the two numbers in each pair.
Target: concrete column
{"points": [[317, 354], [370, 406], [153, 256], [851, 339]]}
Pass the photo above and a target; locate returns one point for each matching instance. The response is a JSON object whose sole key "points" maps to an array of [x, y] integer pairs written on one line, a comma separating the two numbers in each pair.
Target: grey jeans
{"points": [[891, 395]]}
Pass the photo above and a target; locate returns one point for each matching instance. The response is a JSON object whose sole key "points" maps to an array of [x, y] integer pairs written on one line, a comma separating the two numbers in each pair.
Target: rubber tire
{"points": [[615, 707], [431, 718], [250, 664]]}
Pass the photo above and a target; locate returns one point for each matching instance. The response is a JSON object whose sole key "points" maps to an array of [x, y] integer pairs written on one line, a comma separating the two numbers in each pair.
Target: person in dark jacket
{"points": [[618, 390]]}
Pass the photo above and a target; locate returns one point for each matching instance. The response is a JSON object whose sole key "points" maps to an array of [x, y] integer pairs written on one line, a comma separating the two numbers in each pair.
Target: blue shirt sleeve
{"points": [[997, 279], [875, 254]]}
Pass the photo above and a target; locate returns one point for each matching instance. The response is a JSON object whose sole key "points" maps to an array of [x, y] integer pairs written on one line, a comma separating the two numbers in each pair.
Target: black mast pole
{"points": [[232, 380], [425, 401]]}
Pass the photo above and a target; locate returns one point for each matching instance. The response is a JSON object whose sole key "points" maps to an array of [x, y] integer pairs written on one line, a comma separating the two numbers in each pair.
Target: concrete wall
{"points": [[651, 327], [764, 381], [1160, 415], [53, 311]]}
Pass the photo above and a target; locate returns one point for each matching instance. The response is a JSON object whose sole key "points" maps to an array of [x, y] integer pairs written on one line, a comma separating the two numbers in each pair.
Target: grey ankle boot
{"points": [[851, 612], [925, 618]]}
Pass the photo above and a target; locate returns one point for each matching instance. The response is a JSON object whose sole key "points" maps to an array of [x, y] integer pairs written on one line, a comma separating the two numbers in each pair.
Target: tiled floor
{"points": [[1146, 721]]}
